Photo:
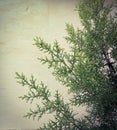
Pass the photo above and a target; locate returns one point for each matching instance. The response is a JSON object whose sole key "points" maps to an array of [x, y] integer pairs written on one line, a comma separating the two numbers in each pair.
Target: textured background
{"points": [[20, 22]]}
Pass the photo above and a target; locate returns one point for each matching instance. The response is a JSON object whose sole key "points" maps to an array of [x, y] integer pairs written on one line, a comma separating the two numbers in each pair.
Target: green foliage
{"points": [[88, 70]]}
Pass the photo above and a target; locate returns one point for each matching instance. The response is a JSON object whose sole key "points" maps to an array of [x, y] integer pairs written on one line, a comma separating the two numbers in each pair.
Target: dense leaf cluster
{"points": [[88, 70]]}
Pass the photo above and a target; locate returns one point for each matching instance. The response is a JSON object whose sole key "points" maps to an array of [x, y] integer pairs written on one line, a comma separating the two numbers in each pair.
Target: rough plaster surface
{"points": [[20, 22]]}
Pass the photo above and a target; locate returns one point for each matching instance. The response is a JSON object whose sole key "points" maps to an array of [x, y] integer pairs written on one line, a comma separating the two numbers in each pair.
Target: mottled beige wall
{"points": [[20, 22]]}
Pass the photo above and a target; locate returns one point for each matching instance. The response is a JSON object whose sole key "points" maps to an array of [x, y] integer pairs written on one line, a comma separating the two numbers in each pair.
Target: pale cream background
{"points": [[20, 22]]}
